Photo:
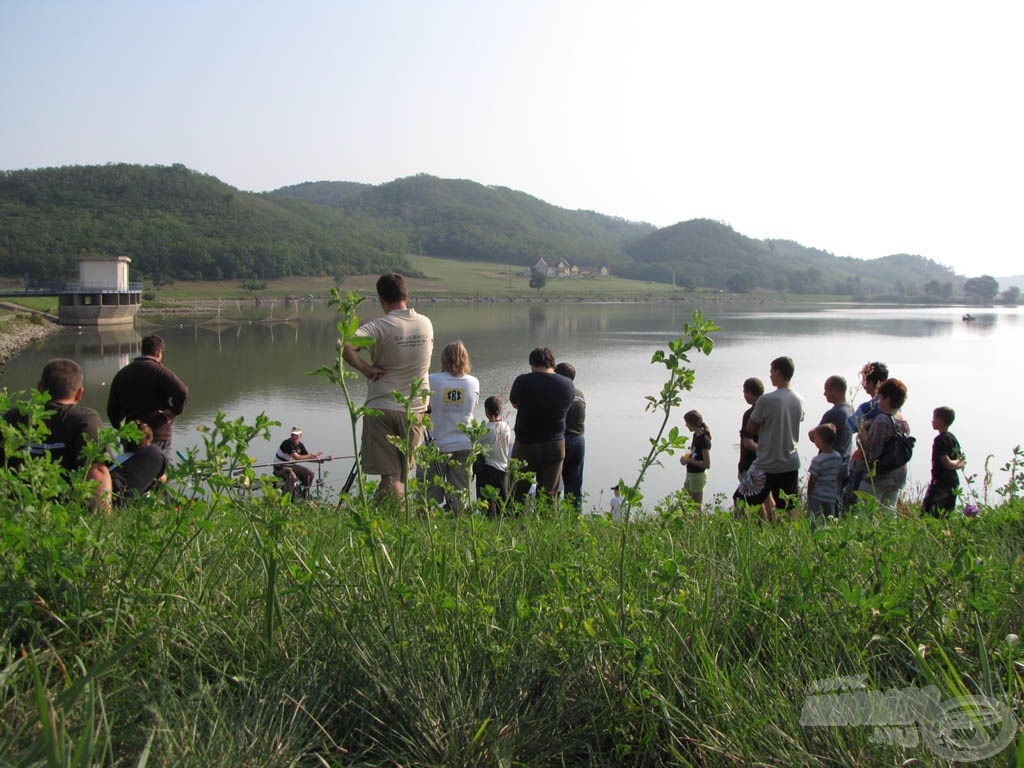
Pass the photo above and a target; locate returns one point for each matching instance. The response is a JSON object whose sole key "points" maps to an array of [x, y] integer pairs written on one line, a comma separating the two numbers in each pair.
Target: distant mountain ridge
{"points": [[177, 223]]}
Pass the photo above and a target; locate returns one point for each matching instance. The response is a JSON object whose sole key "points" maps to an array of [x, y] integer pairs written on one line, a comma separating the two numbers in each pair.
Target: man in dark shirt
{"points": [[297, 478], [541, 399], [69, 426], [148, 391]]}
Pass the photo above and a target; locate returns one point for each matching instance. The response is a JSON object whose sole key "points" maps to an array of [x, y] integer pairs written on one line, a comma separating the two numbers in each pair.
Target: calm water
{"points": [[243, 368]]}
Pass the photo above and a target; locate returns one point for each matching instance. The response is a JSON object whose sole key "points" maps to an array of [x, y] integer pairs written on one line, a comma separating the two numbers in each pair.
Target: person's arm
{"points": [[811, 482], [351, 356], [754, 428], [704, 462], [100, 474], [948, 462]]}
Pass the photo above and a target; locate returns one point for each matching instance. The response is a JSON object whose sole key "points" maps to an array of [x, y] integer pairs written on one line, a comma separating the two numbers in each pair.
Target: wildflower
{"points": [[1012, 639], [971, 510]]}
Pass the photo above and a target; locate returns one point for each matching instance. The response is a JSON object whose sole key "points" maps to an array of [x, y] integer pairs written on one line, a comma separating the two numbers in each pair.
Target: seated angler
{"points": [[297, 478]]}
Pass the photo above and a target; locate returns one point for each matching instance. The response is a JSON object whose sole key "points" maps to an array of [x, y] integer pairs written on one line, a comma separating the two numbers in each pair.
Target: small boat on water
{"points": [[967, 317]]}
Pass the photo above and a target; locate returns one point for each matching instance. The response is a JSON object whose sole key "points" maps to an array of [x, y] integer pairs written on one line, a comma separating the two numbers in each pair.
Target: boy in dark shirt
{"points": [[947, 458], [69, 426]]}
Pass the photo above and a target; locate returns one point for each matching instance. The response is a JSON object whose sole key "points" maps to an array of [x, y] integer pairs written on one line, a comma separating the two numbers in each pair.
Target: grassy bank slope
{"points": [[260, 634]]}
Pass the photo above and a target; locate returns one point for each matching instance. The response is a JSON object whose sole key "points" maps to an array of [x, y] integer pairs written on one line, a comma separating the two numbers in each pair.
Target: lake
{"points": [[242, 365]]}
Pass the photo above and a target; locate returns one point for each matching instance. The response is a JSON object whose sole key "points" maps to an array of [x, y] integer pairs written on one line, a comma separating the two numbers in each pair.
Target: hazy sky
{"points": [[862, 128]]}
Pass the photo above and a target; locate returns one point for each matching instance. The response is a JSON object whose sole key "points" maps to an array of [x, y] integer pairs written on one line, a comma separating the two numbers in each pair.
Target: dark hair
{"points": [[945, 414], [61, 378], [152, 345], [754, 386], [542, 357], [827, 433], [876, 373], [391, 288], [785, 367], [493, 405], [894, 390], [694, 419], [566, 369], [835, 382]]}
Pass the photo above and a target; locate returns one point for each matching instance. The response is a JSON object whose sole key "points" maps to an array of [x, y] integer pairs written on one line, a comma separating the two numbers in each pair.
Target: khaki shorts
{"points": [[695, 481], [378, 455]]}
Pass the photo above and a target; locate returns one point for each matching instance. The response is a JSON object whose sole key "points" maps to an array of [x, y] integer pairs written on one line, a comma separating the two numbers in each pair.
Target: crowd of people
{"points": [[863, 450], [549, 428]]}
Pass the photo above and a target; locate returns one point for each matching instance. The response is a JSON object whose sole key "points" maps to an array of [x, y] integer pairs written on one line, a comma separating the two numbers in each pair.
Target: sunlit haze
{"points": [[864, 129]]}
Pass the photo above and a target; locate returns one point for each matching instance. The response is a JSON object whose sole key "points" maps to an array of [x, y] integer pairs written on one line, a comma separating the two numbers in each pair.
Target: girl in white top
{"points": [[454, 395]]}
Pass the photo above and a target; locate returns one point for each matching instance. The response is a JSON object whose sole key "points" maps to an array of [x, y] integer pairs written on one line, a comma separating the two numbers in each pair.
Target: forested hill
{"points": [[176, 223], [704, 252], [460, 219]]}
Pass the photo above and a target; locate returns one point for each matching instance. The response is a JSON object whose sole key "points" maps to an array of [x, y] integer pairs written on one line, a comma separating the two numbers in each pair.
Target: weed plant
{"points": [[220, 627]]}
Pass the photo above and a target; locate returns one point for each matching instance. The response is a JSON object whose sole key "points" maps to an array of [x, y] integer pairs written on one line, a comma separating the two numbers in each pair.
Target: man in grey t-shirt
{"points": [[776, 422]]}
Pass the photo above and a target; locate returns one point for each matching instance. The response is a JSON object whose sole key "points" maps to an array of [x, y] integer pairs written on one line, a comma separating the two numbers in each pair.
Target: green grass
{"points": [[257, 634]]}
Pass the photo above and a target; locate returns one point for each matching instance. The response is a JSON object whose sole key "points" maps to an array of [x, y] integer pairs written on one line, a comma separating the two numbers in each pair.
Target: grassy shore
{"points": [[261, 634]]}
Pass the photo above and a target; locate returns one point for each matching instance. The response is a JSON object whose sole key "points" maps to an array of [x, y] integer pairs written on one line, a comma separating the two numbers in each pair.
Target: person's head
{"points": [[296, 435], [153, 346], [823, 436], [753, 388], [542, 357], [145, 438], [62, 379], [835, 389], [694, 422], [782, 371], [566, 369], [894, 392], [455, 359], [942, 418], [493, 406], [616, 490], [391, 288], [873, 374]]}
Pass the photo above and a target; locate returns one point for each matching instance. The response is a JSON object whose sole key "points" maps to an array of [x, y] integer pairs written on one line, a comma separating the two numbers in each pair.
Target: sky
{"points": [[863, 129]]}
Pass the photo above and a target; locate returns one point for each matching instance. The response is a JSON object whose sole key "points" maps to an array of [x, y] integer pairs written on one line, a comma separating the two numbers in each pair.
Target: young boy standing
{"points": [[826, 473], [491, 469], [947, 458]]}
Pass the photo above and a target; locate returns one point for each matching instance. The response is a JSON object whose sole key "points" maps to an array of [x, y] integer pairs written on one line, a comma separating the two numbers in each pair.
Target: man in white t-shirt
{"points": [[403, 341], [776, 422]]}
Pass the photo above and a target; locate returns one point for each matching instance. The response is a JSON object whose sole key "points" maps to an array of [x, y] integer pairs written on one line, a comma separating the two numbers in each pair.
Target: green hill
{"points": [[322, 192], [711, 254], [176, 223], [459, 219], [179, 224]]}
